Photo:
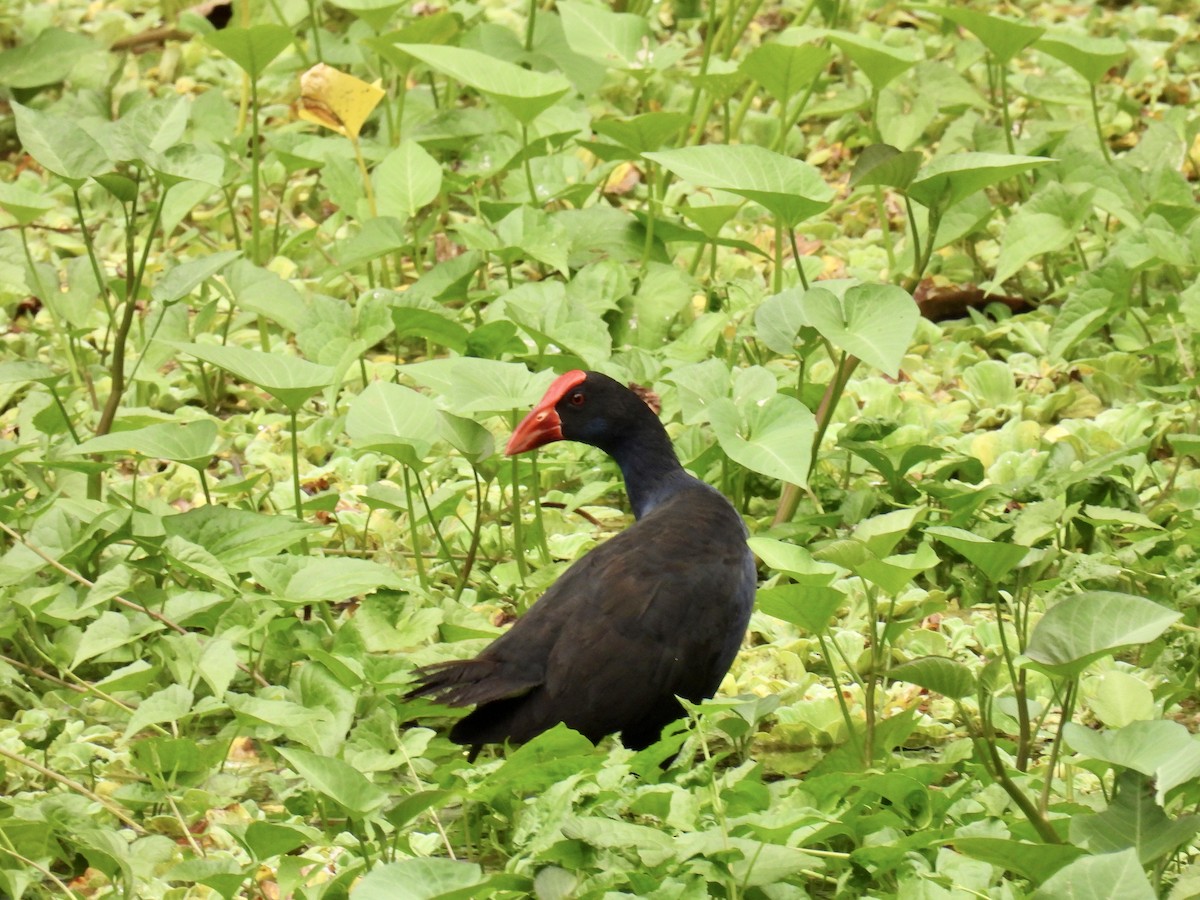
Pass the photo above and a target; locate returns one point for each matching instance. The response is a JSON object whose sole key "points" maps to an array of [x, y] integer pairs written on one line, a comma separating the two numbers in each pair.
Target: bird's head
{"points": [[583, 406]]}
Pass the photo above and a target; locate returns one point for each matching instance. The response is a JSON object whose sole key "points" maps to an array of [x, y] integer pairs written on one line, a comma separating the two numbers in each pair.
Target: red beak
{"points": [[542, 425]]}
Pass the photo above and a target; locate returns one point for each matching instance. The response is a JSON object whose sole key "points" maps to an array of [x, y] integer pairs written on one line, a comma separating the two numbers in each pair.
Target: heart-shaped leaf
{"points": [[396, 420], [954, 177], [1090, 56], [1079, 630], [252, 48], [190, 443], [785, 187], [1004, 38], [288, 379], [773, 439], [523, 93], [874, 322]]}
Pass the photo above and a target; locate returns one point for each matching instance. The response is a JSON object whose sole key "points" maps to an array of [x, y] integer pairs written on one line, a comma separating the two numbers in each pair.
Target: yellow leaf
{"points": [[337, 100]]}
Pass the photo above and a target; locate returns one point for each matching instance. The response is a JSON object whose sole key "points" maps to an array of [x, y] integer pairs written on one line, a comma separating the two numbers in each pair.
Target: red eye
{"points": [[576, 399]]}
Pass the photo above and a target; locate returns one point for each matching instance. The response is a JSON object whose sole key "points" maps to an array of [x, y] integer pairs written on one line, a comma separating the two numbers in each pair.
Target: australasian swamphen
{"points": [[655, 612]]}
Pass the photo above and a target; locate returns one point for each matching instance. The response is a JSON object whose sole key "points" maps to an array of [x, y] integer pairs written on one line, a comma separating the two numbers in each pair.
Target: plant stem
{"points": [[796, 256], [851, 733], [255, 190], [886, 227], [525, 164], [1099, 131], [101, 284], [1068, 709], [296, 467], [412, 530], [117, 370], [476, 532]]}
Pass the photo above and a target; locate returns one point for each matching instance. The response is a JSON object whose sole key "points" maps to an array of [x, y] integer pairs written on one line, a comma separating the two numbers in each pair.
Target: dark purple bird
{"points": [[656, 612]]}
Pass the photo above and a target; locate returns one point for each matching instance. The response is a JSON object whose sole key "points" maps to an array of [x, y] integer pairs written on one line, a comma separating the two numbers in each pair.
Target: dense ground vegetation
{"points": [[915, 285]]}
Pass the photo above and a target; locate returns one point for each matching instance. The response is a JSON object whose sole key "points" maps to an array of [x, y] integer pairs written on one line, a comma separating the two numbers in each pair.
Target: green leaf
{"points": [[809, 606], [524, 93], [1049, 222], [787, 188], [1081, 629], [944, 676], [1101, 877], [621, 40], [433, 325], [893, 573], [47, 59], [190, 443], [773, 439], [480, 386], [396, 420], [884, 165], [644, 133], [187, 557], [24, 206], [994, 558], [171, 704], [301, 580], [59, 144], [20, 371], [1091, 57], [785, 70], [1004, 38], [793, 560], [264, 293], [108, 632], [955, 176], [182, 279], [419, 879], [405, 180], [874, 322], [288, 379], [252, 48], [1037, 862], [1133, 820], [269, 839], [1141, 746], [880, 62], [337, 780], [236, 536]]}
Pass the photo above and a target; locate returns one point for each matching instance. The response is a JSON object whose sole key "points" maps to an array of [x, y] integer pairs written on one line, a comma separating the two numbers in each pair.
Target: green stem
{"points": [[117, 370], [994, 766], [1099, 131], [525, 164], [796, 257], [651, 191], [101, 284], [255, 190], [204, 486], [543, 547], [62, 409], [777, 274], [518, 536], [418, 561], [1004, 114], [886, 227], [851, 733], [476, 532], [295, 467], [1068, 709], [530, 25], [437, 532], [915, 237], [61, 329]]}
